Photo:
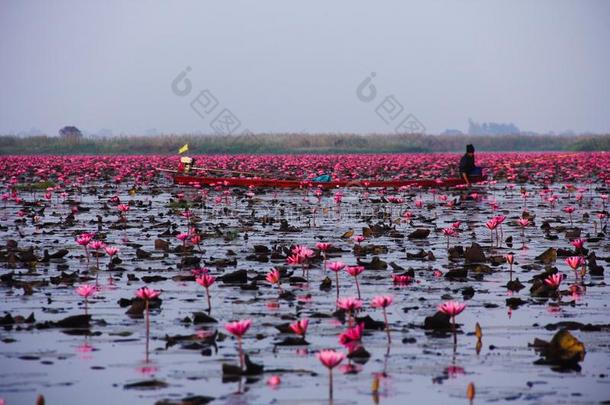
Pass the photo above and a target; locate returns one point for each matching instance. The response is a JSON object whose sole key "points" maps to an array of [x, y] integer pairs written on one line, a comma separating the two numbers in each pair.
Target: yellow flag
{"points": [[184, 148]]}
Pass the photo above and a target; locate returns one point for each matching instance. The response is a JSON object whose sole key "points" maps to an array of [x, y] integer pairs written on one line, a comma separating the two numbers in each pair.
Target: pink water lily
{"points": [[349, 305], [574, 262], [355, 271], [384, 301], [239, 329], [330, 359], [86, 291], [147, 294], [554, 280], [452, 308], [205, 280], [401, 279], [300, 327], [274, 277], [336, 267], [351, 335]]}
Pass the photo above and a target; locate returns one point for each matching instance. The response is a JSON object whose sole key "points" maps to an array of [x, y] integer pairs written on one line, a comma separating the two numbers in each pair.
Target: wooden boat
{"points": [[188, 179]]}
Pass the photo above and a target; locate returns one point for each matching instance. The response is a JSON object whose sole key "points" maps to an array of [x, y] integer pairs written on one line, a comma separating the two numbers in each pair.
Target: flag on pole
{"points": [[184, 148]]}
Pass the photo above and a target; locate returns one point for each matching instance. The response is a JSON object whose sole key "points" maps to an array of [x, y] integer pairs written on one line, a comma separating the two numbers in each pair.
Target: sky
{"points": [[310, 66]]}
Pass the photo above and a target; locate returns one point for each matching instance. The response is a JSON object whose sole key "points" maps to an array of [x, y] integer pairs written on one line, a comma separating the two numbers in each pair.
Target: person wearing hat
{"points": [[467, 166]]}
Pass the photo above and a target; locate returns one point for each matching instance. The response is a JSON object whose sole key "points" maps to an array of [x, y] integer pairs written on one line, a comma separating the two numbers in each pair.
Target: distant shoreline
{"points": [[298, 144]]}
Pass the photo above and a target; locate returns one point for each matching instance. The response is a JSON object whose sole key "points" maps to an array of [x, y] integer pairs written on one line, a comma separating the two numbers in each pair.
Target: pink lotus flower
{"points": [[147, 294], [500, 219], [359, 238], [111, 251], [330, 358], [295, 260], [349, 304], [569, 211], [575, 262], [449, 232], [195, 239], [578, 243], [123, 208], [354, 271], [86, 291], [273, 277], [554, 280], [401, 279], [523, 222], [205, 280], [238, 329], [300, 327], [322, 246], [384, 301], [491, 224], [96, 244], [336, 267], [452, 308], [182, 236], [352, 334], [84, 238], [303, 251]]}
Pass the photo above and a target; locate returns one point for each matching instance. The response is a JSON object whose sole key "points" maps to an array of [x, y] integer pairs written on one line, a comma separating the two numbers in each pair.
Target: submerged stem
{"points": [[147, 327], [387, 326], [241, 354]]}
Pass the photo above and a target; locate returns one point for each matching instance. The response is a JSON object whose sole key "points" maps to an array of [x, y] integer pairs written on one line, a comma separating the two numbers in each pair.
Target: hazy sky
{"points": [[283, 66]]}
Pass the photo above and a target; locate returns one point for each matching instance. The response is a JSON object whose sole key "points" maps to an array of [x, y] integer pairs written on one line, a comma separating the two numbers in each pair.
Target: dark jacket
{"points": [[467, 164]]}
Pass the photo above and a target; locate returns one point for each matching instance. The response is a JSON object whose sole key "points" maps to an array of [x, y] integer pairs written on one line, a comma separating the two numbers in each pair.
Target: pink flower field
{"points": [[117, 281]]}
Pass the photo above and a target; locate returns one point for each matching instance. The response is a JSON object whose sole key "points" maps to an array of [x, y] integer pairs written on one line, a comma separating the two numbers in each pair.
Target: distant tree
{"points": [[70, 134], [491, 128]]}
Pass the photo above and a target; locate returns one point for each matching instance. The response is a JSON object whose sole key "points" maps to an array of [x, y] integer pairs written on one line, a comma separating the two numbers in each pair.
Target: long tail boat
{"points": [[190, 179]]}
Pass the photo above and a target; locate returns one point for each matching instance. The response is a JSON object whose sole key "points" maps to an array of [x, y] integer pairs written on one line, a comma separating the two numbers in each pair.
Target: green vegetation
{"points": [[298, 143], [43, 185]]}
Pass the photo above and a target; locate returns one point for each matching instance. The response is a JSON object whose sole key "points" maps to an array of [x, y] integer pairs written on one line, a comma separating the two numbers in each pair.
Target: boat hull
{"points": [[277, 183]]}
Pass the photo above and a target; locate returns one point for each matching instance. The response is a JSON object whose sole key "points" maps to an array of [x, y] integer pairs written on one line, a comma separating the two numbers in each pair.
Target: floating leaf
{"points": [[348, 234]]}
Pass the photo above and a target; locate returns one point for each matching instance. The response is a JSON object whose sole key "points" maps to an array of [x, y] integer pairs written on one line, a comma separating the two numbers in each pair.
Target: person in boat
{"points": [[186, 164], [467, 166]]}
